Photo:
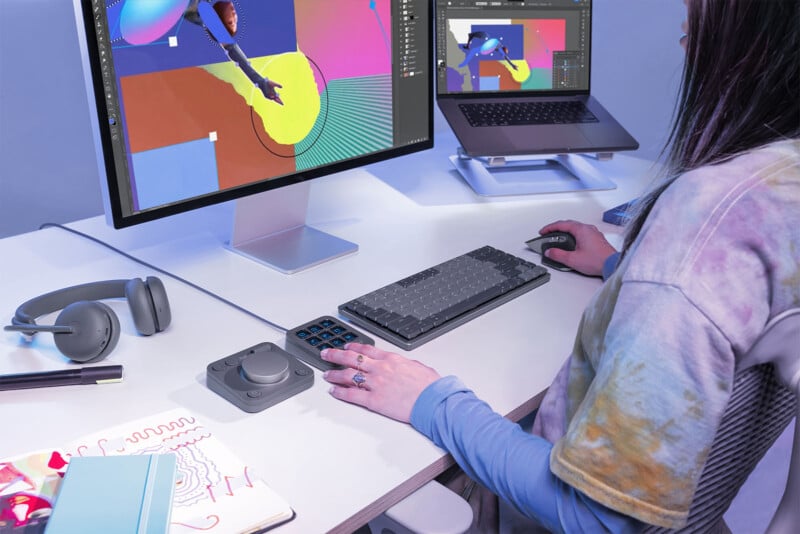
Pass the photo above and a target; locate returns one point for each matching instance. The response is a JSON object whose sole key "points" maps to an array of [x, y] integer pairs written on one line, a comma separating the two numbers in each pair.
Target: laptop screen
{"points": [[499, 46]]}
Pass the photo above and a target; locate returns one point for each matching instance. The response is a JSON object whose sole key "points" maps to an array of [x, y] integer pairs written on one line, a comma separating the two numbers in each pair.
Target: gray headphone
{"points": [[87, 330]]}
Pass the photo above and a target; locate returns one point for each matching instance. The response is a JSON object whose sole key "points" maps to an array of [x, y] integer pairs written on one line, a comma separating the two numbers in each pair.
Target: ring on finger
{"points": [[359, 361], [359, 379]]}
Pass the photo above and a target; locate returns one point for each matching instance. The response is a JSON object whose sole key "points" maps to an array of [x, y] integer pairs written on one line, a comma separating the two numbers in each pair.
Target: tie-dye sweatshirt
{"points": [[634, 410]]}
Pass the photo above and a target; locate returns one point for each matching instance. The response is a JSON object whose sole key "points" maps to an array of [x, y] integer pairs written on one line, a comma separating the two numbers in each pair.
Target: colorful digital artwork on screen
{"points": [[217, 93], [497, 55]]}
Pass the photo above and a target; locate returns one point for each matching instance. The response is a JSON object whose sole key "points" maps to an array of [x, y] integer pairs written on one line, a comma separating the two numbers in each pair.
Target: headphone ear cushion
{"points": [[96, 331], [161, 309], [141, 305]]}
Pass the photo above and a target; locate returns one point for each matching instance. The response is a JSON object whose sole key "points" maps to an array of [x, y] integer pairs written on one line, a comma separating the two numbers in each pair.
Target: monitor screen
{"points": [[508, 46], [203, 101]]}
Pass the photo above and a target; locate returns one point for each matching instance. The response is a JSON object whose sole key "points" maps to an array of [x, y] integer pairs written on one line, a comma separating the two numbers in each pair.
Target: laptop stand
{"points": [[525, 175]]}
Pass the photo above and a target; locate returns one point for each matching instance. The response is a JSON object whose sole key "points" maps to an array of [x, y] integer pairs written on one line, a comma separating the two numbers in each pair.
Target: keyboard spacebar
{"points": [[413, 329]]}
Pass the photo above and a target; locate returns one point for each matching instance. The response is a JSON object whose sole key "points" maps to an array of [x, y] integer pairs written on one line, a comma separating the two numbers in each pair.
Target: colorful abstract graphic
{"points": [[496, 55], [28, 488], [144, 22], [315, 88]]}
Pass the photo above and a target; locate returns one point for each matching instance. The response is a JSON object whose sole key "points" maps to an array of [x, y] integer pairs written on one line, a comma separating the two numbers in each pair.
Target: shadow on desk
{"points": [[429, 179]]}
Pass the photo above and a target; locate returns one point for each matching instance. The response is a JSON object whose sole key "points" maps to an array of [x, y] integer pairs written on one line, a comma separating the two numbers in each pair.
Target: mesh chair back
{"points": [[759, 410]]}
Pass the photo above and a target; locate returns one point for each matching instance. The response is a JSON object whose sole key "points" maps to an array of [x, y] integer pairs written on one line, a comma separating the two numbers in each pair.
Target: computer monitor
{"points": [[197, 102]]}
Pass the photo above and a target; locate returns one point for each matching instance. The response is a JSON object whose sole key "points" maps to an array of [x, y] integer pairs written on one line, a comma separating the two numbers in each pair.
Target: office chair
{"points": [[765, 398], [763, 402], [780, 345]]}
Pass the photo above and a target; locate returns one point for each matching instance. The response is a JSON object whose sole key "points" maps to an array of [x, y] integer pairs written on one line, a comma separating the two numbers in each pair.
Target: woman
{"points": [[621, 437]]}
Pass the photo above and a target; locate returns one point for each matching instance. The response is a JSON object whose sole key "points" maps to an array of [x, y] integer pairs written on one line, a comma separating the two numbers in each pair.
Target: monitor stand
{"points": [[270, 228], [524, 175]]}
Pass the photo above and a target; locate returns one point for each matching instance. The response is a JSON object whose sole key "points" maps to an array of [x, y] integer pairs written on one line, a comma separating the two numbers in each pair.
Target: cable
{"points": [[167, 273]]}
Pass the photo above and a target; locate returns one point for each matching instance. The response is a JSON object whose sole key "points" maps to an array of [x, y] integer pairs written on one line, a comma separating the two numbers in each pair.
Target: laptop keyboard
{"points": [[416, 309], [526, 113]]}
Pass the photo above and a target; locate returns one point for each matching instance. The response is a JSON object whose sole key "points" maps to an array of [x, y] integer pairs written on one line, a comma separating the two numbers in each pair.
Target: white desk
{"points": [[338, 465]]}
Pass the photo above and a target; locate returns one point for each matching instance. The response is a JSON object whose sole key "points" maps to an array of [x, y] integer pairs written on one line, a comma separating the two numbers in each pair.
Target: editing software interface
{"points": [[512, 45], [202, 98]]}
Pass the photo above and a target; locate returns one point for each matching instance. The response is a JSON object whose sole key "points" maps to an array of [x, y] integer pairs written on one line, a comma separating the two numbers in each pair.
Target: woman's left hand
{"points": [[381, 381]]}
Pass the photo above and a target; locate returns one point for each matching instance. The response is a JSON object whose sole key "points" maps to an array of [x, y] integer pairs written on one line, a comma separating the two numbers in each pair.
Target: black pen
{"points": [[68, 377]]}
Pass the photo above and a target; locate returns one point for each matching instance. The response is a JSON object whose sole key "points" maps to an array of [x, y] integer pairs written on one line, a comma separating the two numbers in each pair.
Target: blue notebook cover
{"points": [[115, 495]]}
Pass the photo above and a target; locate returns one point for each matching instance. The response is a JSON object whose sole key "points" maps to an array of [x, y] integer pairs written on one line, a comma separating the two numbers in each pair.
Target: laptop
{"points": [[513, 78]]}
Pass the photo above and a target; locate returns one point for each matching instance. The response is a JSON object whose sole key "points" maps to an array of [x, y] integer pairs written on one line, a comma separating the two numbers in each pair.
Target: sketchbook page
{"points": [[215, 491]]}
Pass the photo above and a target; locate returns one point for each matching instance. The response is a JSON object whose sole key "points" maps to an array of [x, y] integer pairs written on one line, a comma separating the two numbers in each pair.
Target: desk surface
{"points": [[338, 465]]}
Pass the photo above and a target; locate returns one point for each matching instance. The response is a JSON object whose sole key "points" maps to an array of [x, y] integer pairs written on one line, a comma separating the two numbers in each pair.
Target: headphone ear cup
{"points": [[96, 331], [141, 306], [161, 309]]}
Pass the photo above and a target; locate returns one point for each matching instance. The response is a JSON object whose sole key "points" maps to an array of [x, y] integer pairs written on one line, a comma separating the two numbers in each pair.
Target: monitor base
{"points": [[270, 228], [512, 175]]}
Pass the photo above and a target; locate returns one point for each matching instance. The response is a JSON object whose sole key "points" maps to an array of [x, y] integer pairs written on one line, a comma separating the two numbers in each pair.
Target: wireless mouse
{"points": [[562, 240]]}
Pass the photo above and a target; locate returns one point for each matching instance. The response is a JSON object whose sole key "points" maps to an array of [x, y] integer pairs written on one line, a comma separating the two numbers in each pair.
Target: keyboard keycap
{"points": [[526, 113]]}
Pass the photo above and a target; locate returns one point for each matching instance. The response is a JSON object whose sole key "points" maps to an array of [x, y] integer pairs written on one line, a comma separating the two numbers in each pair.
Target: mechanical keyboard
{"points": [[416, 309]]}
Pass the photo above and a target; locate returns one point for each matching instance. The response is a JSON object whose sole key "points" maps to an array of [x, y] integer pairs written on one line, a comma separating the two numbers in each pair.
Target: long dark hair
{"points": [[740, 88]]}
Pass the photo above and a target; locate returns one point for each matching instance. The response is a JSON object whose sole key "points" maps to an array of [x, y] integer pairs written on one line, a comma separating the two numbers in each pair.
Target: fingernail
{"points": [[323, 353], [331, 390], [325, 375]]}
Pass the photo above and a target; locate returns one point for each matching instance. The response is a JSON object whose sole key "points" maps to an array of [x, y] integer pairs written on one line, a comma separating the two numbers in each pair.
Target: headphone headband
{"points": [[86, 329], [28, 311]]}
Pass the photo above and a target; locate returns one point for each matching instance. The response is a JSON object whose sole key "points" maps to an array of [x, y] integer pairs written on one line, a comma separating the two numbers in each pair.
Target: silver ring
{"points": [[359, 379], [359, 360]]}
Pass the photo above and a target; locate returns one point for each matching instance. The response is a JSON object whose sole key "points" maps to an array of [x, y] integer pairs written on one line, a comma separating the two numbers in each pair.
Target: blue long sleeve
{"points": [[610, 265], [509, 461]]}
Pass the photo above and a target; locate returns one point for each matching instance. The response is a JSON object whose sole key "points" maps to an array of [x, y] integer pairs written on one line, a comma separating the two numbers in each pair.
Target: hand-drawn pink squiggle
{"points": [[214, 517], [190, 443], [160, 429], [187, 431]]}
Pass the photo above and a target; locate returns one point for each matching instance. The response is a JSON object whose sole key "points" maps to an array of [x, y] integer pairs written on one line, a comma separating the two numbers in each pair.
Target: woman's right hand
{"points": [[591, 247]]}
